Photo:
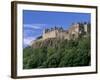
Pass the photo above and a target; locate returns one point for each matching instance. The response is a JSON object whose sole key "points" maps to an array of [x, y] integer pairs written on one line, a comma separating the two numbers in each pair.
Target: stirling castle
{"points": [[75, 31]]}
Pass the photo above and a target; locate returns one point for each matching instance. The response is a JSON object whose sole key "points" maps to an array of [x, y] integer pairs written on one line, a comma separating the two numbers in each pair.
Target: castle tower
{"points": [[74, 31], [85, 27]]}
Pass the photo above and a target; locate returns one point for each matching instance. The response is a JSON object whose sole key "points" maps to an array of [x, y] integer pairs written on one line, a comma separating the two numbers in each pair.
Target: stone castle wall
{"points": [[73, 32], [51, 34]]}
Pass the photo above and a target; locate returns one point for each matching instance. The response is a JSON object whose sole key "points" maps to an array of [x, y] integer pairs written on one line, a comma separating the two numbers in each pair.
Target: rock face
{"points": [[50, 42]]}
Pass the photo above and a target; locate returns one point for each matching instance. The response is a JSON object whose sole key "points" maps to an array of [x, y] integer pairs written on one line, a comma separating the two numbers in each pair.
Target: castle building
{"points": [[72, 33]]}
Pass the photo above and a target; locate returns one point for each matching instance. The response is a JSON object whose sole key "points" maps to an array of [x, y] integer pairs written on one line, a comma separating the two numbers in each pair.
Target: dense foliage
{"points": [[58, 53]]}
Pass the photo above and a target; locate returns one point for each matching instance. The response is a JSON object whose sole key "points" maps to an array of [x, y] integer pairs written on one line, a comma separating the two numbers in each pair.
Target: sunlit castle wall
{"points": [[63, 35], [49, 34], [60, 34]]}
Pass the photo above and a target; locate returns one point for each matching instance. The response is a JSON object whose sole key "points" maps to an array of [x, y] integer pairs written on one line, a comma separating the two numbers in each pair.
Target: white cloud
{"points": [[34, 26], [28, 40]]}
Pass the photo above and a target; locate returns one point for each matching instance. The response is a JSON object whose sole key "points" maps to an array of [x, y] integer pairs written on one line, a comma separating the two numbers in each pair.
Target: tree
{"points": [[58, 53]]}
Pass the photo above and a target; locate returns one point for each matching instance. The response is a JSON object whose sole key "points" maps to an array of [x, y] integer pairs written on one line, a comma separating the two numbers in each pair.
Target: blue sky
{"points": [[34, 22]]}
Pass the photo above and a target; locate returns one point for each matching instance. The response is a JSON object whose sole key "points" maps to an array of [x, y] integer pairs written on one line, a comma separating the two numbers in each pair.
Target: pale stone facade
{"points": [[71, 33], [85, 28], [51, 34]]}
